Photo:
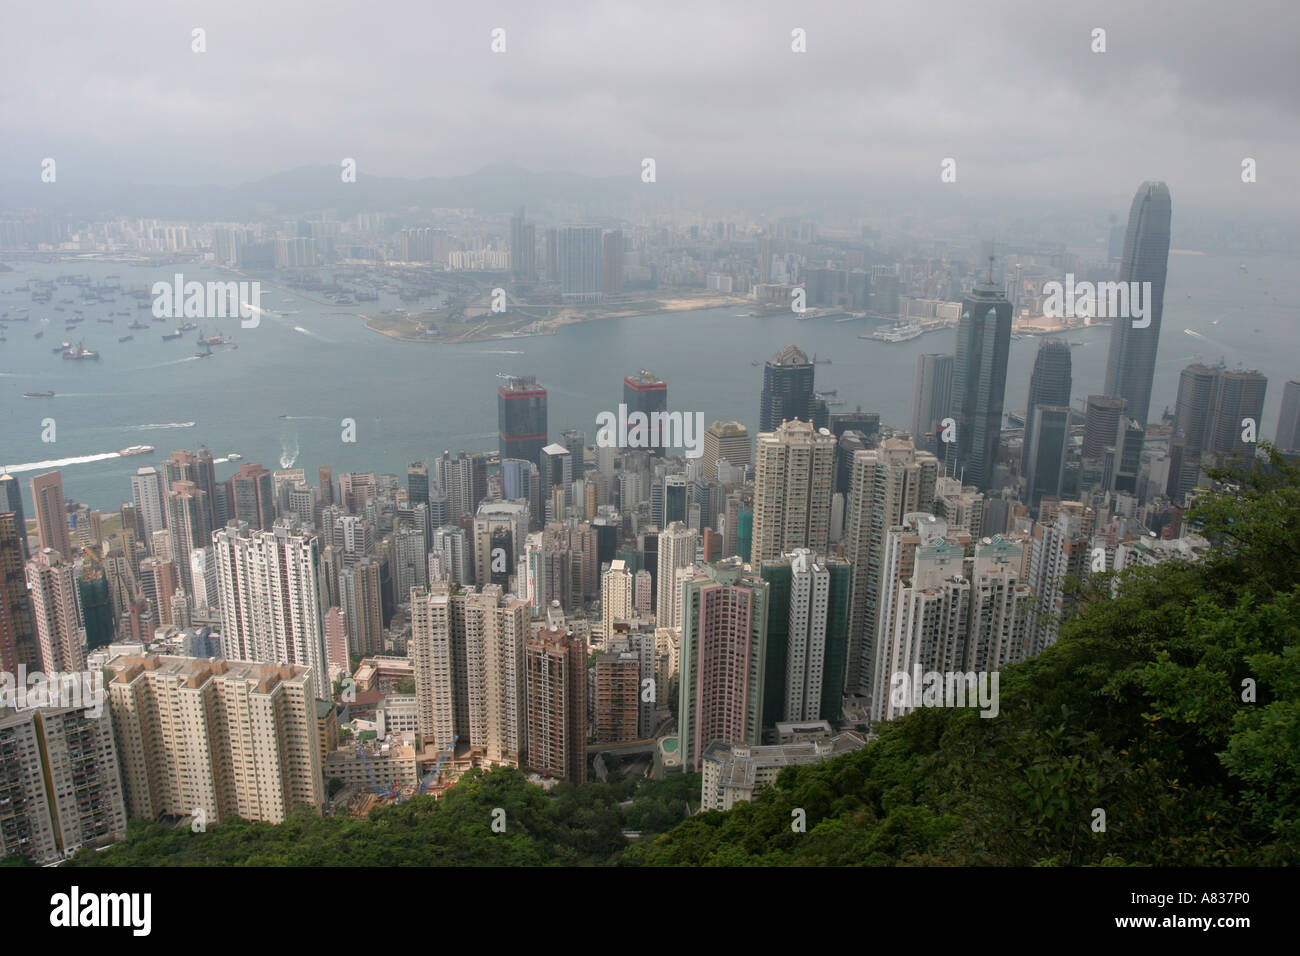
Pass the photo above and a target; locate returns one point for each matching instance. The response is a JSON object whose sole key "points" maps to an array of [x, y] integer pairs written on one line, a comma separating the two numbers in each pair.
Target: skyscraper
{"points": [[187, 520], [612, 263], [645, 393], [931, 399], [1045, 471], [888, 483], [269, 587], [980, 380], [676, 550], [11, 500], [1049, 384], [1288, 424], [729, 440], [521, 419], [794, 479], [150, 502], [579, 250], [1131, 361], [52, 581], [51, 512], [1239, 399], [788, 392], [556, 681], [723, 643], [495, 627], [18, 640], [254, 495], [523, 247], [431, 650], [1101, 424]]}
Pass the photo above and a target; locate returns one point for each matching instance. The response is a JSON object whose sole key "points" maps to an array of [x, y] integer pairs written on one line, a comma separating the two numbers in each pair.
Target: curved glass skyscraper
{"points": [[1131, 363]]}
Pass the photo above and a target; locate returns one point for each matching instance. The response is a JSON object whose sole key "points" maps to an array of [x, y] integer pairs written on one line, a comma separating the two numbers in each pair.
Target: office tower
{"points": [[889, 482], [159, 579], [356, 488], [1060, 550], [254, 496], [199, 468], [521, 481], [1193, 425], [931, 399], [1131, 361], [97, 615], [1048, 442], [611, 281], [1239, 396], [764, 259], [495, 627], [556, 684], [868, 423], [51, 513], [19, 644], [807, 637], [793, 482], [302, 504], [557, 473], [228, 738], [729, 440], [645, 393], [521, 419], [52, 582], [676, 549], [617, 597], [500, 528], [59, 785], [723, 640], [1049, 384], [523, 247], [669, 500], [551, 238], [1288, 424], [1126, 457], [431, 650], [979, 380], [417, 483], [11, 501], [360, 595], [576, 441], [1101, 425], [187, 521], [788, 392], [579, 250], [268, 585]]}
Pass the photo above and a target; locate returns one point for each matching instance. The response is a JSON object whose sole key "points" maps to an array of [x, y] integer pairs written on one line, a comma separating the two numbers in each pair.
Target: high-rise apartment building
{"points": [[579, 249], [616, 595], [677, 545], [556, 681], [723, 643], [51, 513], [253, 491], [19, 644], [11, 501], [52, 582], [729, 440], [224, 738], [431, 650], [794, 480]]}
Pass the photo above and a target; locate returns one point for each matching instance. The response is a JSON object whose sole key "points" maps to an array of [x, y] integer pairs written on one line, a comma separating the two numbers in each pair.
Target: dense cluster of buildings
{"points": [[735, 611]]}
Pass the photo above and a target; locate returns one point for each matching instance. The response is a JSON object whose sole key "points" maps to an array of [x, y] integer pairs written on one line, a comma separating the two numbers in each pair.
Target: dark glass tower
{"points": [[788, 392], [1049, 384], [11, 499], [643, 392], [980, 380], [1131, 362], [521, 419]]}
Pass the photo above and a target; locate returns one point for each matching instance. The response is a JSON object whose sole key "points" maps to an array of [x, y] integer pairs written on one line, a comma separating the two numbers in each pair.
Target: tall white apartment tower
{"points": [[794, 480], [676, 550]]}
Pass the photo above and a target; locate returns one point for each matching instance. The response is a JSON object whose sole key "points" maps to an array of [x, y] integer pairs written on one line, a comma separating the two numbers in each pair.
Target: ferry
{"points": [[136, 450], [896, 333], [234, 456], [38, 394]]}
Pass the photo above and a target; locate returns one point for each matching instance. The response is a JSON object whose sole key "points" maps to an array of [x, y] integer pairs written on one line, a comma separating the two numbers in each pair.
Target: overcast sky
{"points": [[709, 88]]}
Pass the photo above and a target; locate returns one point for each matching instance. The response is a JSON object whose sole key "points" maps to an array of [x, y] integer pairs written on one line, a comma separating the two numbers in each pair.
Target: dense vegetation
{"points": [[1143, 710]]}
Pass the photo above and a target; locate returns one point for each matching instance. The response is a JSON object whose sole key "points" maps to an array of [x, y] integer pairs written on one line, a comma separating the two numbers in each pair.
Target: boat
{"points": [[186, 326], [138, 325], [160, 318], [105, 321], [136, 450], [214, 340], [234, 456], [203, 354], [62, 347], [897, 333], [39, 334], [126, 338], [38, 394], [1076, 343], [81, 354], [168, 336]]}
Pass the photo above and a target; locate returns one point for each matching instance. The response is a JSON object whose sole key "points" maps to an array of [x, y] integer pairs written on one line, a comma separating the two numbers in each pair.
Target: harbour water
{"points": [[281, 396]]}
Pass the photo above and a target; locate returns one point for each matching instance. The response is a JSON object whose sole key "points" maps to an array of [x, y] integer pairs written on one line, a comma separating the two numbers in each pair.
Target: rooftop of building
{"points": [[740, 763]]}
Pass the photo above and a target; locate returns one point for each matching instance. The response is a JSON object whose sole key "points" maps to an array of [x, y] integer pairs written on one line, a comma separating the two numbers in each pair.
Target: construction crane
{"points": [[433, 774]]}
